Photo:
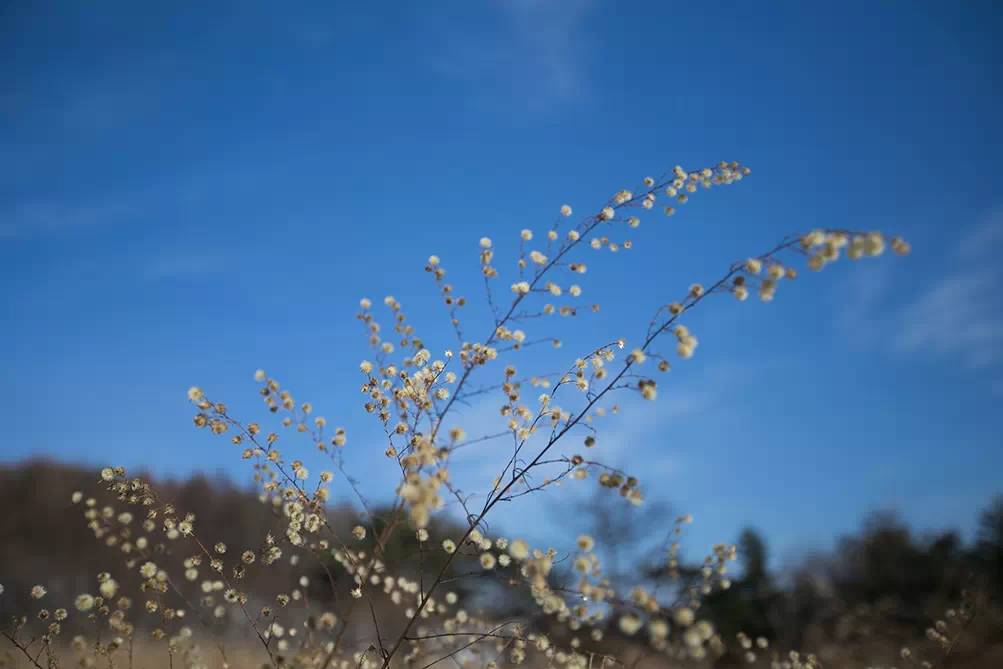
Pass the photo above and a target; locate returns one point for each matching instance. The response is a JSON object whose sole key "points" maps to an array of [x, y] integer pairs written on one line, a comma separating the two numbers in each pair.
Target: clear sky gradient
{"points": [[189, 191]]}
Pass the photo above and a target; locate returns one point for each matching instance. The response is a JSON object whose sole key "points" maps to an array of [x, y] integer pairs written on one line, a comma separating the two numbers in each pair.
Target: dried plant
{"points": [[417, 620]]}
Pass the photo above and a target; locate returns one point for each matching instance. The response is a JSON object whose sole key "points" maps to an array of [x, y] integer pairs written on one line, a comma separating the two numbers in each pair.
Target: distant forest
{"points": [[877, 590]]}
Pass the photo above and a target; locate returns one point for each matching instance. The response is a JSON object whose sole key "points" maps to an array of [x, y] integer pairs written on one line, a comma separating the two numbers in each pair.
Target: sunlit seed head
{"points": [[767, 289], [684, 616], [629, 624], [874, 244], [108, 588], [648, 388], [518, 549]]}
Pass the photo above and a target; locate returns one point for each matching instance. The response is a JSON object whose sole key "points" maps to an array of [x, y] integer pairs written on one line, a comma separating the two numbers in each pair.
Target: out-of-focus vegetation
{"points": [[876, 592]]}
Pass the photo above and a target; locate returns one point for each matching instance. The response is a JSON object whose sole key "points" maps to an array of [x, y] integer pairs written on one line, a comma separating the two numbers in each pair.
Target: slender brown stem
{"points": [[24, 649]]}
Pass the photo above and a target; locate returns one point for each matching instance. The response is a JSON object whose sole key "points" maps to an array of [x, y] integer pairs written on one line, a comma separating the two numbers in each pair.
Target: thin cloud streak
{"points": [[956, 318], [183, 266], [538, 62], [960, 314], [28, 219], [956, 315]]}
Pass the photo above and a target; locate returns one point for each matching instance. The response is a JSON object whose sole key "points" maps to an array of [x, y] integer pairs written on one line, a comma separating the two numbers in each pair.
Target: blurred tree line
{"points": [[878, 590], [44, 538]]}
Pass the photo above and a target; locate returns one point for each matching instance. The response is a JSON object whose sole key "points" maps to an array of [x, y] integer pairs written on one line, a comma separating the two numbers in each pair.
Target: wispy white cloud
{"points": [[984, 238], [27, 219], [312, 35], [626, 439], [183, 265], [551, 36], [955, 313], [960, 314], [84, 106], [538, 61], [103, 108], [637, 439]]}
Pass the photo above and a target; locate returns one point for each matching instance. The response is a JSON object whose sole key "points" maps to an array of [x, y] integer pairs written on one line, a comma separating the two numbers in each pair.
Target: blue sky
{"points": [[189, 192]]}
